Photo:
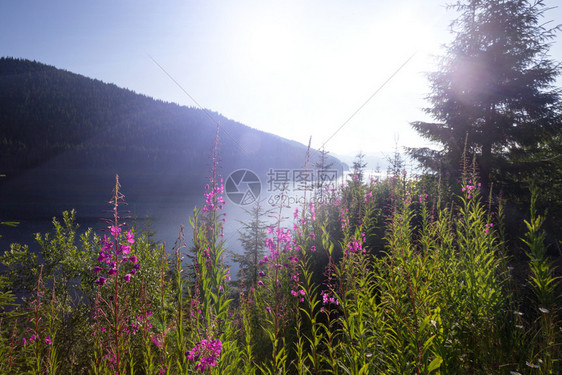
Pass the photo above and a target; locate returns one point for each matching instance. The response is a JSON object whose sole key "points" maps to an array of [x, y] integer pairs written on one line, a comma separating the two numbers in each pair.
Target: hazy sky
{"points": [[296, 68]]}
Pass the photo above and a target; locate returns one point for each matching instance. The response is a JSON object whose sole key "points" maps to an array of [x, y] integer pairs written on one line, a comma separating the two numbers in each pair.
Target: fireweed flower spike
{"points": [[113, 252], [205, 354], [119, 268]]}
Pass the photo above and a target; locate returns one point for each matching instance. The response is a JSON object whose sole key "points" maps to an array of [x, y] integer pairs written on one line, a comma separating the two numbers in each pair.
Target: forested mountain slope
{"points": [[45, 112]]}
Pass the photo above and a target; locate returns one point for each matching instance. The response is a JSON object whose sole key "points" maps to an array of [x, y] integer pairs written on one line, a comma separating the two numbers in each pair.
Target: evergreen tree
{"points": [[396, 163], [252, 237], [322, 165], [493, 89], [358, 167]]}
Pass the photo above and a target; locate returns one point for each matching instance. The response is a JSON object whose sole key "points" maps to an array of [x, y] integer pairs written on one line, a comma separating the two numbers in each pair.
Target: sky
{"points": [[295, 68]]}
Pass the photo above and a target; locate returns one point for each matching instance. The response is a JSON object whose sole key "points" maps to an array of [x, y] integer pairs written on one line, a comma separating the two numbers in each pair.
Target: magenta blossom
{"points": [[115, 232], [205, 354], [124, 249], [130, 236], [104, 257], [329, 300], [106, 244]]}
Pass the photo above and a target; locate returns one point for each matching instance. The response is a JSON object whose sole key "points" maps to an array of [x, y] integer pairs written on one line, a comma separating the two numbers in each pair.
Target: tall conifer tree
{"points": [[493, 92], [252, 238]]}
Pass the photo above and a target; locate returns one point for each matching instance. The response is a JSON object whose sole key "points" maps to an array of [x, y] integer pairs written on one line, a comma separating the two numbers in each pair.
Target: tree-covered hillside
{"points": [[45, 112]]}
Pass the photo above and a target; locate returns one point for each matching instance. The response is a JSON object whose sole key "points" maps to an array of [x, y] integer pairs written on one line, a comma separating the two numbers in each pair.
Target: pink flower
{"points": [[205, 354], [127, 277], [133, 259], [104, 257], [106, 244], [101, 281], [48, 340], [124, 249], [130, 236], [313, 248], [115, 232], [97, 269], [158, 340]]}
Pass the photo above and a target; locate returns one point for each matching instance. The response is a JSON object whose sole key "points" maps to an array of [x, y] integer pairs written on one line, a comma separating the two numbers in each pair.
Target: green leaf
{"points": [[10, 223], [435, 364]]}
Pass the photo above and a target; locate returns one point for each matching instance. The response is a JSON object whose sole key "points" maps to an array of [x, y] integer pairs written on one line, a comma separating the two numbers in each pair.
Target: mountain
{"points": [[45, 112], [63, 137]]}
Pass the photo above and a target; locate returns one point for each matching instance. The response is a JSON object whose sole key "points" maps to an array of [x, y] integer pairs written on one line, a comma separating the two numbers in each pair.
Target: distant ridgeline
{"points": [[66, 120]]}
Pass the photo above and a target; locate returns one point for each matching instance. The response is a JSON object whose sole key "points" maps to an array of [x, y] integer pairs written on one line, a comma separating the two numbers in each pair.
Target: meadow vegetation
{"points": [[386, 276]]}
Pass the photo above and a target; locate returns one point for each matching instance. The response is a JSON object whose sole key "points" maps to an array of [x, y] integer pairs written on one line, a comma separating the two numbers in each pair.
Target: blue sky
{"points": [[296, 68]]}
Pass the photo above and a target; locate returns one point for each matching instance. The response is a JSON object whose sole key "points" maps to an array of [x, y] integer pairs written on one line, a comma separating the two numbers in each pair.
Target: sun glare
{"points": [[320, 65]]}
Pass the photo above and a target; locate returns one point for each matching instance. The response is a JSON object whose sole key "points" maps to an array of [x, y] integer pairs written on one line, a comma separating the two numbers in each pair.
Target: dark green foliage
{"points": [[416, 283], [493, 89]]}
